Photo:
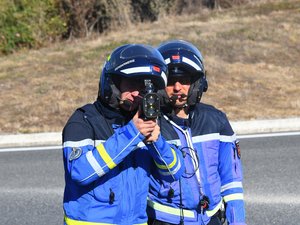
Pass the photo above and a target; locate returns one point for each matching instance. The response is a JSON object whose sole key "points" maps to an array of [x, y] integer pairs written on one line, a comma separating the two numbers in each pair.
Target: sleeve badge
{"points": [[75, 154]]}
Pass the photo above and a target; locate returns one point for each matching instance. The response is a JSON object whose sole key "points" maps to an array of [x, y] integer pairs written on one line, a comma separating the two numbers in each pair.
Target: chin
{"points": [[180, 105], [181, 102]]}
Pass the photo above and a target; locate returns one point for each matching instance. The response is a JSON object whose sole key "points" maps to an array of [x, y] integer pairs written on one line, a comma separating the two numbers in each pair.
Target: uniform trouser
{"points": [[215, 220]]}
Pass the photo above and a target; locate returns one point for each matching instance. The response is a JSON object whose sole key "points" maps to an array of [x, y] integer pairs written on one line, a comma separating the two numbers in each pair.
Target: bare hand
{"points": [[146, 127], [154, 135]]}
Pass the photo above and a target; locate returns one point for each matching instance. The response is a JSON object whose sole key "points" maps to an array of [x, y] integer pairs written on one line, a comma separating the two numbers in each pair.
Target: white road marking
{"points": [[41, 148], [45, 148], [38, 191], [272, 199], [281, 134]]}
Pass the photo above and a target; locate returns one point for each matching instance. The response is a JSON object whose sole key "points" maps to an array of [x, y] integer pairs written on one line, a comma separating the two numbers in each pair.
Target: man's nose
{"points": [[177, 85]]}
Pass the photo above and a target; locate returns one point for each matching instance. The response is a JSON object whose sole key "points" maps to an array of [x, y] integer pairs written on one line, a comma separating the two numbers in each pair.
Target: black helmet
{"points": [[183, 57], [132, 61]]}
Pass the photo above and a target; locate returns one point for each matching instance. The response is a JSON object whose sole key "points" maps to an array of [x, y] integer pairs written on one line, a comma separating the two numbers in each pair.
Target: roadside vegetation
{"points": [[251, 51]]}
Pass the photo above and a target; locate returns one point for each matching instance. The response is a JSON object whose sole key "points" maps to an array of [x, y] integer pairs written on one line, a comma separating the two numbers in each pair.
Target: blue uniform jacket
{"points": [[212, 169], [107, 168]]}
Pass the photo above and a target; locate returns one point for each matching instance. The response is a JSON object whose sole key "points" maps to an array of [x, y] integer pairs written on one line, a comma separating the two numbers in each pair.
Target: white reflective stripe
{"points": [[140, 69], [224, 138], [236, 184], [93, 162], [82, 143], [78, 143], [167, 61], [212, 212], [191, 63], [170, 210], [206, 137], [232, 197], [164, 76], [171, 172], [98, 142]]}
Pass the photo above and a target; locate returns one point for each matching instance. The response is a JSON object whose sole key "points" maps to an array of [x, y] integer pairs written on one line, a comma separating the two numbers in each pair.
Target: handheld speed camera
{"points": [[150, 103]]}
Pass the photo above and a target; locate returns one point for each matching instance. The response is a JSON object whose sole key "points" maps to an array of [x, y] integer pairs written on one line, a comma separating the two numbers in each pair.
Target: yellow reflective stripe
{"points": [[170, 210], [105, 156], [210, 213], [171, 164], [78, 222], [232, 197]]}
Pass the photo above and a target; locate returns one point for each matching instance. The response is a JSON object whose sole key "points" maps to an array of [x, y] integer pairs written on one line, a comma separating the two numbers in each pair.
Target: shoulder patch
{"points": [[75, 154]]}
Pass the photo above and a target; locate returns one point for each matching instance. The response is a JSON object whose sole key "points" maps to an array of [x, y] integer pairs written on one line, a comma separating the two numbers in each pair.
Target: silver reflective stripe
{"points": [[214, 136], [81, 143], [224, 138], [236, 184], [78, 143], [93, 162], [206, 137]]}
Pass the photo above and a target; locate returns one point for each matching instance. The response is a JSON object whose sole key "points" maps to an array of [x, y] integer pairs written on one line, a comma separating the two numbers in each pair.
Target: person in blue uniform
{"points": [[203, 135], [110, 148]]}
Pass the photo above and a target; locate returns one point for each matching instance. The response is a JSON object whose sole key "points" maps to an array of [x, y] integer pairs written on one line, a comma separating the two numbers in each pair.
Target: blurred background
{"points": [[52, 52]]}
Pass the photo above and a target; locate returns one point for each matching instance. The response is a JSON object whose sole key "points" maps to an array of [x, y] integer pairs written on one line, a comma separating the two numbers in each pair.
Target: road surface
{"points": [[31, 183]]}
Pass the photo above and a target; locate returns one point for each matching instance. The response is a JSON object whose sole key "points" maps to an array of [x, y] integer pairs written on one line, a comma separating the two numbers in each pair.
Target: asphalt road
{"points": [[31, 183]]}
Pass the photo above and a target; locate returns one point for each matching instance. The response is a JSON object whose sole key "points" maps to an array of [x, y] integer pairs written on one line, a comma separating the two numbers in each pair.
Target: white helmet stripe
{"points": [[164, 76], [141, 69], [191, 63]]}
